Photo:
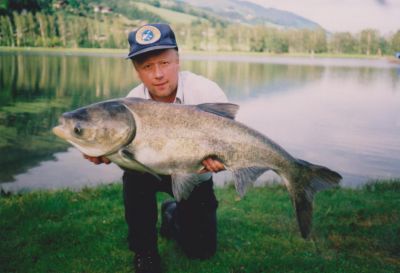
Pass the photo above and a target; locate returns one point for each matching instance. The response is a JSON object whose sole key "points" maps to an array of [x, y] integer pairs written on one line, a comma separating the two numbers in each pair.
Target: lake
{"points": [[341, 113]]}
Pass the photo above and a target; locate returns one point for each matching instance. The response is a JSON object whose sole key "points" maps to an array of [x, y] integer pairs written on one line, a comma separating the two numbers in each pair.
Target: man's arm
{"points": [[212, 165]]}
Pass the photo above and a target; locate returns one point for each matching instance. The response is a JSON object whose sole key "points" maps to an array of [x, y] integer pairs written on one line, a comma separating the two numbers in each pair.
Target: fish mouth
{"points": [[58, 131], [62, 133]]}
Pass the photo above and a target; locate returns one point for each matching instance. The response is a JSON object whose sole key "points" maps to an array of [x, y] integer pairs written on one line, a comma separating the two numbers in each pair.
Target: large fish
{"points": [[172, 139]]}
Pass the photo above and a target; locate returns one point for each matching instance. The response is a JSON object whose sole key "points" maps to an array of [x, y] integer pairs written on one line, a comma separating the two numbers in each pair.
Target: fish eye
{"points": [[78, 130]]}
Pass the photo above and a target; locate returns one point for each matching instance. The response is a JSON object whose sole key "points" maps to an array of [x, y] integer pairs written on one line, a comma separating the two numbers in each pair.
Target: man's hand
{"points": [[212, 165], [97, 160]]}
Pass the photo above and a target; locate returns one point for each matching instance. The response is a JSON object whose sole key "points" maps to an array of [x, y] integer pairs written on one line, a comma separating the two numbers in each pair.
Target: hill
{"points": [[249, 13], [169, 15]]}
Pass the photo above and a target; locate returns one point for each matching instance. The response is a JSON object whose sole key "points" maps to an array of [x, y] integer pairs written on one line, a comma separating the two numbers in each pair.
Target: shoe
{"points": [[167, 212], [147, 262]]}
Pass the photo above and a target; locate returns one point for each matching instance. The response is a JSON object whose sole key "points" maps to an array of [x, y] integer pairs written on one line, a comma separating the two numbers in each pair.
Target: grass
{"points": [[171, 16], [66, 231]]}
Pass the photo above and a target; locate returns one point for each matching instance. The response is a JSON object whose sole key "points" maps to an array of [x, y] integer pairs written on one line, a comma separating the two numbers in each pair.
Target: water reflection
{"points": [[344, 115], [36, 89], [77, 174], [246, 80], [73, 79], [334, 124]]}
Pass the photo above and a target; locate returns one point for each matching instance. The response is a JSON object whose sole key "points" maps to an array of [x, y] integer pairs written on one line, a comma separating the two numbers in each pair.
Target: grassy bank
{"points": [[65, 231]]}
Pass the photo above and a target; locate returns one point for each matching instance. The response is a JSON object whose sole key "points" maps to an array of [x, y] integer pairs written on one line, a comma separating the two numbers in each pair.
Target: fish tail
{"points": [[306, 181]]}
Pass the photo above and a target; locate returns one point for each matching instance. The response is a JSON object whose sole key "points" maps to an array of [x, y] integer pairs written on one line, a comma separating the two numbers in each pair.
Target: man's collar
{"points": [[179, 93]]}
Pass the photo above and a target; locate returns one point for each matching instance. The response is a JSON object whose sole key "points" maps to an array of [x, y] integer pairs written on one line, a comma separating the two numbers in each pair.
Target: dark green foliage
{"points": [[64, 231], [31, 5], [4, 6]]}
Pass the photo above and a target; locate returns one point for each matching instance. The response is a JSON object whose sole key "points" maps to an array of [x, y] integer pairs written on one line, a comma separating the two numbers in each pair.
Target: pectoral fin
{"points": [[183, 184], [126, 154]]}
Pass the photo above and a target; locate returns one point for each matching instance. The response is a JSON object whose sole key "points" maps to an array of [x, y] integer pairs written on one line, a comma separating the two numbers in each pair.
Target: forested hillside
{"points": [[106, 24]]}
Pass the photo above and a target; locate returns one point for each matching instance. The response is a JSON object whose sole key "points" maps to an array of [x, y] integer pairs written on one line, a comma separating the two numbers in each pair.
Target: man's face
{"points": [[159, 73]]}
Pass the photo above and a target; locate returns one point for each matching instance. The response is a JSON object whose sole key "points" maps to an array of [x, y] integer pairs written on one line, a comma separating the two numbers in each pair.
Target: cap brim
{"points": [[148, 49]]}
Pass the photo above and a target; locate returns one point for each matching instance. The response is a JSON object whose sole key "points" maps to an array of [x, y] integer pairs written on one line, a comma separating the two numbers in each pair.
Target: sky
{"points": [[344, 15]]}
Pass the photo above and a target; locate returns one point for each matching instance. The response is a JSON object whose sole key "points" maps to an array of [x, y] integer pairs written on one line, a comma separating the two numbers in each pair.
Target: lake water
{"points": [[341, 113]]}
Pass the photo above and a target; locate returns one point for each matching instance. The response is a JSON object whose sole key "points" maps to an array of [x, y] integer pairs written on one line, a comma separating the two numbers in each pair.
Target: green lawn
{"points": [[66, 231]]}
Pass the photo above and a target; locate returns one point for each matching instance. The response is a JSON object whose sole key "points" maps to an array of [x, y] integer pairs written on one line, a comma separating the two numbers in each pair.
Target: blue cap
{"points": [[150, 37]]}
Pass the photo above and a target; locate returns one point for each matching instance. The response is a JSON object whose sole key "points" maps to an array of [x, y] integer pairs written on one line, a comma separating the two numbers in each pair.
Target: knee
{"points": [[202, 197]]}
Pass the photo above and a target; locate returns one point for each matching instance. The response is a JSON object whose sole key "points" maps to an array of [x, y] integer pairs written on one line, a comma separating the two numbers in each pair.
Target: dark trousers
{"points": [[195, 217]]}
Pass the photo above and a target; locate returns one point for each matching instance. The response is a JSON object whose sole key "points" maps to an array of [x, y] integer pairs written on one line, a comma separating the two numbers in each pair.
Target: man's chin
{"points": [[163, 92], [162, 89]]}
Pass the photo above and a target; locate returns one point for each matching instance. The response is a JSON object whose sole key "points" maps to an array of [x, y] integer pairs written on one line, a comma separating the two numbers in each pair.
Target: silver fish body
{"points": [[171, 139]]}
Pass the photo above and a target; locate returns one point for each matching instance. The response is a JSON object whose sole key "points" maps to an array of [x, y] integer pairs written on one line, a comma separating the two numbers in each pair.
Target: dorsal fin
{"points": [[227, 110]]}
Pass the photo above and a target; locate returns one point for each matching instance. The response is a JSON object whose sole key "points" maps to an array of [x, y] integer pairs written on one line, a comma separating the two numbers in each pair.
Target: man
{"points": [[191, 222]]}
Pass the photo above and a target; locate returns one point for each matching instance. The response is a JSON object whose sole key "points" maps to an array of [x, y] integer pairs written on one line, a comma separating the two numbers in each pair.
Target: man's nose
{"points": [[158, 72]]}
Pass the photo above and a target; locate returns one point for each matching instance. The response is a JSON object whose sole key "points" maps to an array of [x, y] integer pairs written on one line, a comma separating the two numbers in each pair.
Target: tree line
{"points": [[60, 29], [29, 29]]}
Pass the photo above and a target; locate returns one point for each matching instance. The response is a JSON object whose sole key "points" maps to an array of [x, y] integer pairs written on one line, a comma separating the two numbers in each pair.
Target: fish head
{"points": [[99, 129]]}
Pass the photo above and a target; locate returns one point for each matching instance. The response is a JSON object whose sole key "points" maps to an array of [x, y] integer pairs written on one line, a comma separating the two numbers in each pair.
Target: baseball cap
{"points": [[150, 37]]}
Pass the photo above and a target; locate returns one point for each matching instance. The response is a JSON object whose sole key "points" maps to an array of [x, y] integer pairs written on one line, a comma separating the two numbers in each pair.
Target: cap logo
{"points": [[147, 35]]}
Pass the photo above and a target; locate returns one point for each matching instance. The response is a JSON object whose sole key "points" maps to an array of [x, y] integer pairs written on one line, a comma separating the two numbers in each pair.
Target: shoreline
{"points": [[186, 53], [325, 59], [26, 191]]}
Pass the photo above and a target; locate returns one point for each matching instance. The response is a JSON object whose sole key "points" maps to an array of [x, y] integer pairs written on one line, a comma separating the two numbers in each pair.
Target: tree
{"points": [[276, 41], [258, 39], [6, 32], [43, 27], [4, 6], [383, 47], [18, 28], [31, 29], [62, 29], [369, 41], [31, 5], [343, 42], [82, 33], [318, 41], [395, 42]]}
